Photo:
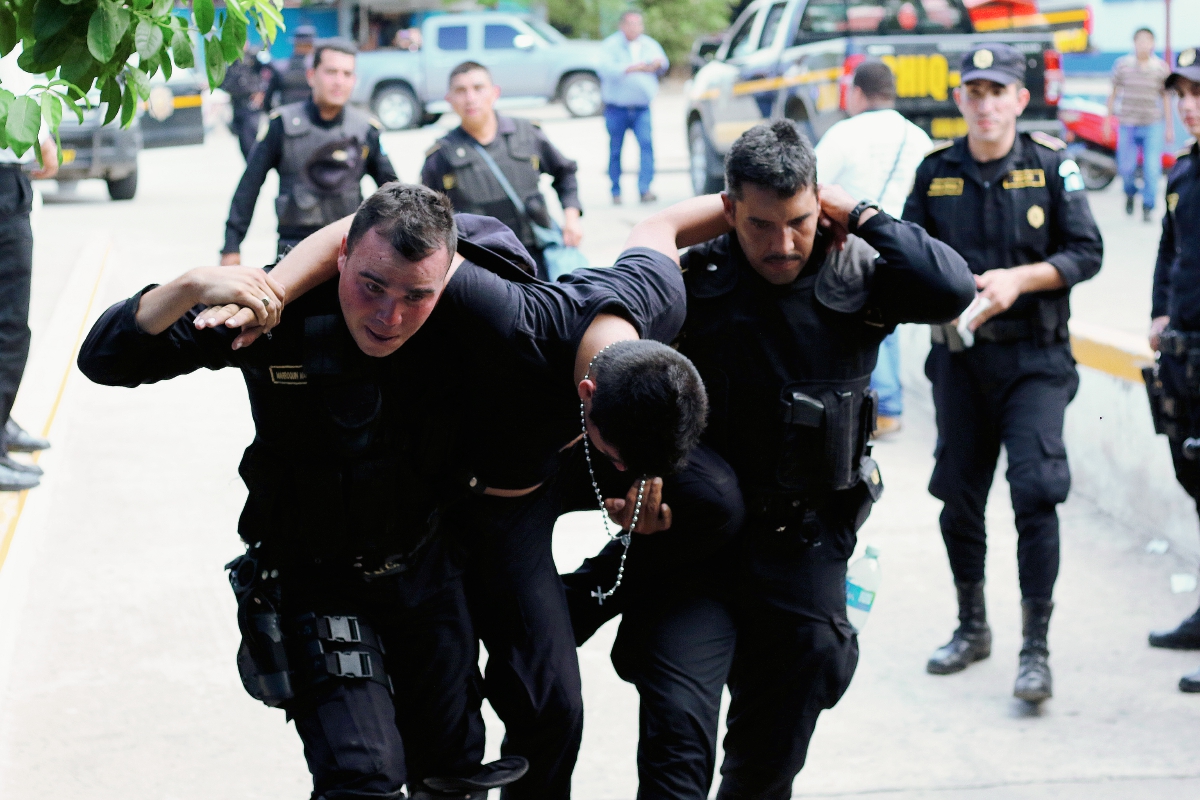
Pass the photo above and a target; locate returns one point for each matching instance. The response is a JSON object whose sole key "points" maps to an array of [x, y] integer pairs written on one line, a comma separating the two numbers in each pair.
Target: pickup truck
{"points": [[530, 61], [794, 59]]}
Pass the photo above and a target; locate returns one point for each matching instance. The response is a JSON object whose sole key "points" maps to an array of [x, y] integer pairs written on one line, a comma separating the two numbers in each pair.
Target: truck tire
{"points": [[1094, 177], [702, 161], [397, 108], [123, 188], [581, 95]]}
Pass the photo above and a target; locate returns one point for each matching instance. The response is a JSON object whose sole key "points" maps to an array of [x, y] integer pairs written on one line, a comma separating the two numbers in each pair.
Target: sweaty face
{"points": [[991, 109], [333, 79], [472, 95], [1188, 93], [775, 233], [386, 298]]}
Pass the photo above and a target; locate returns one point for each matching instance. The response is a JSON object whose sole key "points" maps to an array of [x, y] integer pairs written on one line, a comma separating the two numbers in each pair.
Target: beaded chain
{"points": [[622, 535]]}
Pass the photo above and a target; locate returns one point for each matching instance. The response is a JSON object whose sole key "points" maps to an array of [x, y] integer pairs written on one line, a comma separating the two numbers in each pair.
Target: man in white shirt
{"points": [[16, 269], [874, 155]]}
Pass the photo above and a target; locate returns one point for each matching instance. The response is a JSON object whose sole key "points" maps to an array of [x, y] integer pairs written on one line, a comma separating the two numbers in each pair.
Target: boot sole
{"points": [[1033, 697], [934, 669], [1168, 645]]}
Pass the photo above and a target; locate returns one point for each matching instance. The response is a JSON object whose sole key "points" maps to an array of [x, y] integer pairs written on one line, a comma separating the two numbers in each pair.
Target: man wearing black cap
{"points": [[288, 82], [1175, 329], [320, 147], [1013, 206]]}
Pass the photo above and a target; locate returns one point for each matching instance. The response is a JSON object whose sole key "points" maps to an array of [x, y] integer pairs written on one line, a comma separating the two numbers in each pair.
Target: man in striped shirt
{"points": [[1142, 107]]}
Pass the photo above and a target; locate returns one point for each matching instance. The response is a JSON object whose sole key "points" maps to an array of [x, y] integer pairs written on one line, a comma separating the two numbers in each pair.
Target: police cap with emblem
{"points": [[995, 62], [1187, 65]]}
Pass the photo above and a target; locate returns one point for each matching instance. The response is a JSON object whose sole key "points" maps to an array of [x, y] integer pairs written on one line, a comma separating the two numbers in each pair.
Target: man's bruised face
{"points": [[776, 233], [386, 298]]}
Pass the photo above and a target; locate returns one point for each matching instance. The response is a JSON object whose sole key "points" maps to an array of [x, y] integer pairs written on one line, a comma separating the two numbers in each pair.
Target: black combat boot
{"points": [[972, 641], [1033, 675], [1186, 636]]}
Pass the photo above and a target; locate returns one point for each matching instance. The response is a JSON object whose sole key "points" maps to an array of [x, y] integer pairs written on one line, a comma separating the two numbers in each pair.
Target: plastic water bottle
{"points": [[862, 583]]}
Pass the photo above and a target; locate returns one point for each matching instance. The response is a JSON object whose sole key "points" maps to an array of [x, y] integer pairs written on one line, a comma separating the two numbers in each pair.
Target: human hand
{"points": [[1000, 286], [1107, 128], [231, 259], [572, 231], [49, 166], [655, 515], [1157, 326], [835, 215], [237, 297]]}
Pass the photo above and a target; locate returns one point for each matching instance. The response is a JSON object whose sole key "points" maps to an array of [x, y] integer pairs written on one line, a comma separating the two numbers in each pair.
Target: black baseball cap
{"points": [[1187, 65], [304, 33], [995, 62]]}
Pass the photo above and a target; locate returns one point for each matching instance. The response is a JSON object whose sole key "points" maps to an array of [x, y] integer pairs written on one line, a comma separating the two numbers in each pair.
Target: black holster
{"points": [[262, 656], [1156, 395], [826, 433]]}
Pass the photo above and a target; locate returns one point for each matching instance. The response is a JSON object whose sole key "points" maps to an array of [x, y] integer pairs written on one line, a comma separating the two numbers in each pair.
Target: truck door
{"points": [[811, 66], [446, 46], [517, 58], [744, 88]]}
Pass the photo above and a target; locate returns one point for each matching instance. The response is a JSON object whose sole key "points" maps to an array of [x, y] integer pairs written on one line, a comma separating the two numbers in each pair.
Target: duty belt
{"points": [[997, 331], [1178, 343]]}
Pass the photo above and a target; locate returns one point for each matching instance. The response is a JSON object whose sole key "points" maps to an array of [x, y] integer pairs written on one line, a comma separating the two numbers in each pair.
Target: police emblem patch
{"points": [[1172, 201], [945, 187], [1187, 57], [983, 59], [1069, 172], [448, 182], [1036, 216]]}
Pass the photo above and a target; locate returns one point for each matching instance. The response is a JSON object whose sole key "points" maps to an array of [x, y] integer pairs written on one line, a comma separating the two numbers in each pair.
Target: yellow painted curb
{"points": [[1114, 353]]}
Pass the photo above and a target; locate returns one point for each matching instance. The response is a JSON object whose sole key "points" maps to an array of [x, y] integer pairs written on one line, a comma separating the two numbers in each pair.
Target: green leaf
{"points": [[238, 9], [140, 80], [204, 13], [148, 39], [77, 63], [214, 62], [71, 104], [8, 31], [139, 5], [162, 8], [104, 31], [233, 36], [181, 50], [164, 60], [6, 98], [23, 124], [110, 94], [70, 2], [128, 105], [52, 110], [272, 11], [49, 17]]}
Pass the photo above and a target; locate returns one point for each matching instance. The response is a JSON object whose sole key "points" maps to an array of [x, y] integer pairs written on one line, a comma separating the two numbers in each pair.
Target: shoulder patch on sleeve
{"points": [[1048, 141], [376, 124], [434, 148], [939, 148]]}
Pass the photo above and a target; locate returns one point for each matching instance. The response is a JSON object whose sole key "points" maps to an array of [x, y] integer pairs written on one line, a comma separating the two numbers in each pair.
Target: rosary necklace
{"points": [[624, 536]]}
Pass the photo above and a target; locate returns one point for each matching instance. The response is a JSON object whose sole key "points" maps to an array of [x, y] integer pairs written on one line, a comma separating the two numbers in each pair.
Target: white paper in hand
{"points": [[977, 307]]}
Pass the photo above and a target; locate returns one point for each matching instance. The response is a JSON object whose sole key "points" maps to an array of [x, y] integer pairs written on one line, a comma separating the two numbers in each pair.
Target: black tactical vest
{"points": [[321, 169], [788, 371], [293, 82], [473, 189]]}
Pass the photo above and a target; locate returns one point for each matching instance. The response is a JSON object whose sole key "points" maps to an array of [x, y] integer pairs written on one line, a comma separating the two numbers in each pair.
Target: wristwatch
{"points": [[852, 225]]}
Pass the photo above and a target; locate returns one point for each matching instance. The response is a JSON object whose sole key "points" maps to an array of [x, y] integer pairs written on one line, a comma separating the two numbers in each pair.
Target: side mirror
{"points": [[524, 41]]}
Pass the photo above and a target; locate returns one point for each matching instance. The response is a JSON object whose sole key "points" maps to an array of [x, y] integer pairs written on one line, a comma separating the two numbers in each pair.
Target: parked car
{"points": [[529, 60], [794, 59], [94, 150], [174, 113]]}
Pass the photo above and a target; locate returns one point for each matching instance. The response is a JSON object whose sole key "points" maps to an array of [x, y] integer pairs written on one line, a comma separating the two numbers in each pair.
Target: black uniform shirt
{"points": [[1035, 210], [267, 155], [514, 343], [548, 159], [1177, 273]]}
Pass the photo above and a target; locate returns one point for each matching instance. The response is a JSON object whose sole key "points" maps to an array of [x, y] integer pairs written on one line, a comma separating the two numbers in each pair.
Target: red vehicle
{"points": [[1095, 152]]}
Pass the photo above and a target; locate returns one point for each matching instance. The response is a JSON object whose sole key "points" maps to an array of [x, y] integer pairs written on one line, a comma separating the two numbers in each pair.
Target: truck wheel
{"points": [[702, 159], [123, 188], [1095, 177], [397, 108], [581, 95]]}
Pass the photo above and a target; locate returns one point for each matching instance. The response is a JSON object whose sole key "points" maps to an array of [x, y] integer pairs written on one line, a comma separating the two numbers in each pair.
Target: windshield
{"points": [[548, 32]]}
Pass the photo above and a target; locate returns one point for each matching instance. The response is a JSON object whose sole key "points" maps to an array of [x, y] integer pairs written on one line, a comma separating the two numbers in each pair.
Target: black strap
{"points": [[895, 164]]}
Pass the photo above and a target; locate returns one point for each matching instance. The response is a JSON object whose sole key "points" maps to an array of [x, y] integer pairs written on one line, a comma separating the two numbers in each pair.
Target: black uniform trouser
{"points": [[360, 741], [1173, 372], [677, 635], [1014, 394], [16, 270], [520, 612], [244, 126]]}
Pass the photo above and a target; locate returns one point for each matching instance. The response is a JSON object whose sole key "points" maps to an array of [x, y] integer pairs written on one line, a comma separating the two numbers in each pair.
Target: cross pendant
{"points": [[599, 595]]}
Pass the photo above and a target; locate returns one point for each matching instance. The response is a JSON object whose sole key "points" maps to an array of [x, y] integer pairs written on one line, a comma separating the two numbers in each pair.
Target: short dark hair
{"points": [[876, 80], [775, 156], [1140, 31], [337, 44], [414, 219], [649, 404], [465, 67]]}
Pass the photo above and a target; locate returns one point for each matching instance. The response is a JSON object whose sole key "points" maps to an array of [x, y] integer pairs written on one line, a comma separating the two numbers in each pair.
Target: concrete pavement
{"points": [[117, 629]]}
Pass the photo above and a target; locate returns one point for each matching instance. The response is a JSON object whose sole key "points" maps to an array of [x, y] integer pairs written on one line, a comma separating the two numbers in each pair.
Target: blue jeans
{"points": [[1148, 138], [885, 380], [618, 120]]}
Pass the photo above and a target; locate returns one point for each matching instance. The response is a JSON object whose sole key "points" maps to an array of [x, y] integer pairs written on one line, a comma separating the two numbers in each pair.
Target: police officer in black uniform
{"points": [[1174, 384], [520, 151], [352, 612], [244, 84], [321, 148], [287, 78], [785, 317], [1014, 206]]}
